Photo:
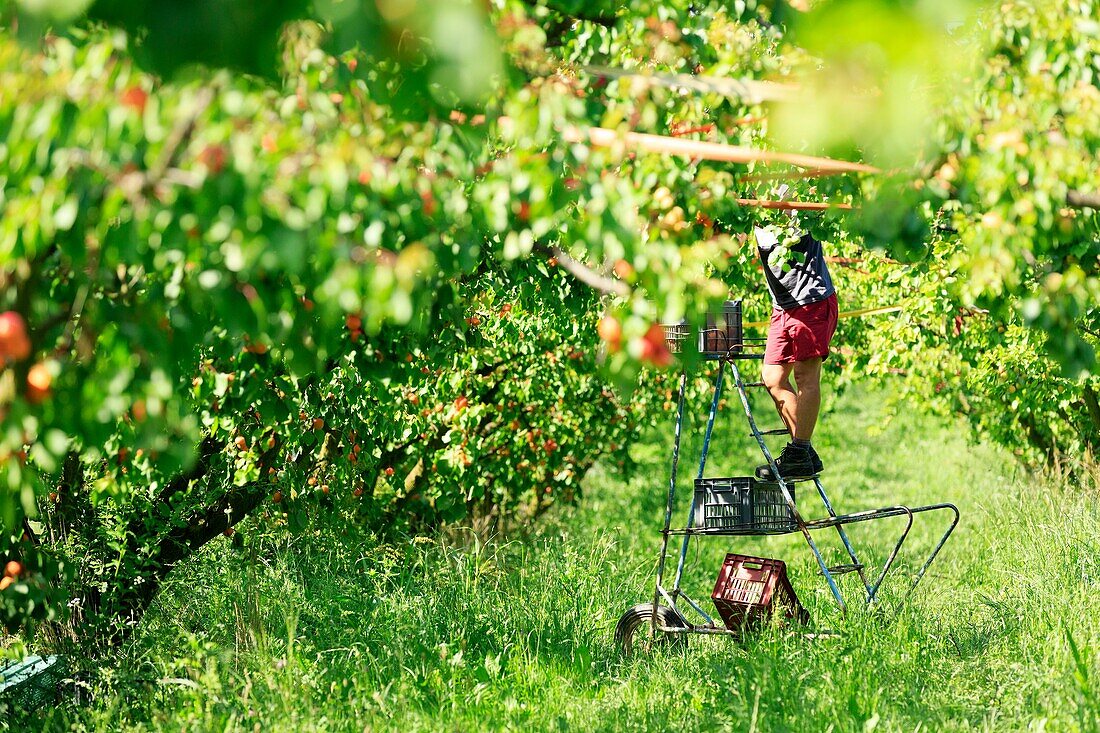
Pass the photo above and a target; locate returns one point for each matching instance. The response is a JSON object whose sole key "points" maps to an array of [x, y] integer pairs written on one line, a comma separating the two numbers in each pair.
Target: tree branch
{"points": [[179, 136], [1036, 438], [207, 450], [28, 533], [595, 280], [1093, 405], [1083, 200], [180, 543], [74, 509]]}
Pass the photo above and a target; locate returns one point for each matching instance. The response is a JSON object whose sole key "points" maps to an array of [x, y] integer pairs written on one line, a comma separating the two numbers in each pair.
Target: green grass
{"points": [[333, 631]]}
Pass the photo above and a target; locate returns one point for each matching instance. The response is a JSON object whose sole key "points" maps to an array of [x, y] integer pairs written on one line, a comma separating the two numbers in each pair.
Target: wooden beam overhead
{"points": [[702, 150], [792, 205], [748, 90]]}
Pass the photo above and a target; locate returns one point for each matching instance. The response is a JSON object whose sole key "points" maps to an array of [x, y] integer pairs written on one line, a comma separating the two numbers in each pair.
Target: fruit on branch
{"points": [[14, 343], [135, 98], [213, 157], [611, 332], [39, 380], [655, 348]]}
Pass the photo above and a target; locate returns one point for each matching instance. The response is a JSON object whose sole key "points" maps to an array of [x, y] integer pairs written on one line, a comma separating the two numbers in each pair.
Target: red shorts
{"points": [[801, 333]]}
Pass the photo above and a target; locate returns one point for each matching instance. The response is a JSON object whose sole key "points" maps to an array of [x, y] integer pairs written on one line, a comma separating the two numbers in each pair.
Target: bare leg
{"points": [[777, 378], [807, 375]]}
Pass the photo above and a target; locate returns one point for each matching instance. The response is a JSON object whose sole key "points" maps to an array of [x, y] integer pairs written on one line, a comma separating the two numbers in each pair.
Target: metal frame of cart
{"points": [[665, 614]]}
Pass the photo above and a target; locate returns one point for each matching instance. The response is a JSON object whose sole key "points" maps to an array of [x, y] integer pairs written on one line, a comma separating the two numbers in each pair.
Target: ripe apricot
{"points": [[654, 348], [39, 380], [135, 98], [623, 269], [611, 332], [428, 201], [213, 157], [14, 343]]}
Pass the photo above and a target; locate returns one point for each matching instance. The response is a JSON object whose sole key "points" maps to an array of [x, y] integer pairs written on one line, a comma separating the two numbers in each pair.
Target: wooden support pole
{"points": [[749, 90], [792, 205], [701, 150], [784, 176], [1083, 200]]}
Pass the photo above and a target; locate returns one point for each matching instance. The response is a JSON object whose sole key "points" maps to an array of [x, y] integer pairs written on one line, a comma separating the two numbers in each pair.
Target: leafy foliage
{"points": [[432, 51], [201, 269], [1000, 319], [1012, 169], [223, 294]]}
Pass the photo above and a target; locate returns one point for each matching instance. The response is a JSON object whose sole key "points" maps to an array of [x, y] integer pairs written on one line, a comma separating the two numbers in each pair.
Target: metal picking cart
{"points": [[747, 506]]}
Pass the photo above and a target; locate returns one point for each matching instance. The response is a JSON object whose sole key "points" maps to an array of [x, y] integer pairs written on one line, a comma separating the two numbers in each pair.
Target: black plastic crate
{"points": [[742, 505], [675, 335], [722, 335]]}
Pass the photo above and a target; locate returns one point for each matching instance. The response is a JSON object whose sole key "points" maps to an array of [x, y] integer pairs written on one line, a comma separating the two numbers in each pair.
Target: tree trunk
{"points": [[1036, 438], [1092, 438], [100, 622]]}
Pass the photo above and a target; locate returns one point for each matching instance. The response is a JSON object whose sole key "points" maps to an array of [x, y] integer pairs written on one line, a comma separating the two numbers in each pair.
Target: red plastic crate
{"points": [[752, 589]]}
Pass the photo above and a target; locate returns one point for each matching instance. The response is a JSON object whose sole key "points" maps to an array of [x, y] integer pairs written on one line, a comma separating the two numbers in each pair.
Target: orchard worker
{"points": [[803, 322]]}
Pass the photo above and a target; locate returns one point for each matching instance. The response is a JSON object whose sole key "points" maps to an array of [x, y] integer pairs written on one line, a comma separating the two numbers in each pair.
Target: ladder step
{"points": [[754, 384], [842, 569], [790, 481], [777, 431]]}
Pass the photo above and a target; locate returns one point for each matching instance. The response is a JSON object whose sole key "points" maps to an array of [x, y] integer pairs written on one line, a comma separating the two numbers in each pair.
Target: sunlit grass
{"points": [[334, 631]]}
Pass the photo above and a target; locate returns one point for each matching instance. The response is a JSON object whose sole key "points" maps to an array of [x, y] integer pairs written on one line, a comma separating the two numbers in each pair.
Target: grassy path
{"points": [[335, 632]]}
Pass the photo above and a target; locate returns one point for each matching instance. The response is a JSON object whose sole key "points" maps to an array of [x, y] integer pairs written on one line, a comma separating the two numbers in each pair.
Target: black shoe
{"points": [[795, 462], [818, 465]]}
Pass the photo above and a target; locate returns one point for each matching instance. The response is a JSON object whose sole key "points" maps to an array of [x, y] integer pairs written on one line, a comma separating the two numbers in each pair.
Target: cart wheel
{"points": [[637, 623]]}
